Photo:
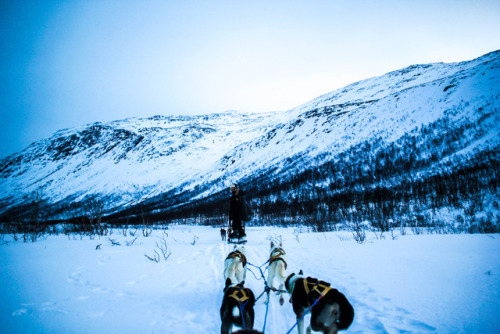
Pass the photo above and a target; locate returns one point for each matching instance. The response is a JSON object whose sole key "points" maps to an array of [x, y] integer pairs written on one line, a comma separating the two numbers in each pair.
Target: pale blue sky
{"points": [[68, 63]]}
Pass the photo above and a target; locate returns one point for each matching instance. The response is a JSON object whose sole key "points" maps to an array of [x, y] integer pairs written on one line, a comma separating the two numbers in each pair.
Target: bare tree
{"points": [[161, 248], [38, 204], [93, 209], [358, 231], [146, 229]]}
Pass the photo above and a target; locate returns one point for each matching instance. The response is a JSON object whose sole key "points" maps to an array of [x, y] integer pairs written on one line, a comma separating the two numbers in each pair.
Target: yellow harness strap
{"points": [[275, 257], [317, 287], [278, 257], [240, 295], [238, 254]]}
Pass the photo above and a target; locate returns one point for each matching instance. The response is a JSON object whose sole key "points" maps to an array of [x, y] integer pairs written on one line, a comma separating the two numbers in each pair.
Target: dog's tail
{"points": [[337, 312], [346, 312]]}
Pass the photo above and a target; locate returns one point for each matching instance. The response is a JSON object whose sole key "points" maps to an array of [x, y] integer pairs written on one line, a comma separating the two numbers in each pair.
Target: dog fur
{"points": [[235, 265], [234, 312], [277, 269], [223, 234], [331, 313]]}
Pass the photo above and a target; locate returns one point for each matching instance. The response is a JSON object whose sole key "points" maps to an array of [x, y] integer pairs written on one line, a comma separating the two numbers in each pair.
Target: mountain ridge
{"points": [[129, 161]]}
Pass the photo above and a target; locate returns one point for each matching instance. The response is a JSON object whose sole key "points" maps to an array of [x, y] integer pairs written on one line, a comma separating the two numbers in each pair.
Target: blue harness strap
{"points": [[240, 295], [242, 306], [312, 286], [305, 313], [266, 289]]}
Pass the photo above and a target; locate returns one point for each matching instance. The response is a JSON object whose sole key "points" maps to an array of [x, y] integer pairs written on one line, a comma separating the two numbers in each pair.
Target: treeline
{"points": [[386, 205], [385, 184], [402, 183]]}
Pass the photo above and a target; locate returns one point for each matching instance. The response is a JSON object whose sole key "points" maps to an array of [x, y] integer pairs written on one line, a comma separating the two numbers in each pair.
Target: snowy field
{"points": [[413, 284]]}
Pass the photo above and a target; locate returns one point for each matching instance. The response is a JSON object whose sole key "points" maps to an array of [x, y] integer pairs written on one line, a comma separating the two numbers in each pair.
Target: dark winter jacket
{"points": [[238, 209]]}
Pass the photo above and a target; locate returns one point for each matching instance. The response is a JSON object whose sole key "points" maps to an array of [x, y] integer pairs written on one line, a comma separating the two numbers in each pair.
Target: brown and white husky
{"points": [[235, 265], [277, 269]]}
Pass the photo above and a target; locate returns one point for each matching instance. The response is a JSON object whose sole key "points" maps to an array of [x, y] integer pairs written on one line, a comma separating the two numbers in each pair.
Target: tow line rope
{"points": [[266, 289], [242, 306], [305, 313]]}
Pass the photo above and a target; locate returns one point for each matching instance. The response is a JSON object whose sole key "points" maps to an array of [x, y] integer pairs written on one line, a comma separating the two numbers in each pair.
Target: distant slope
{"points": [[433, 119]]}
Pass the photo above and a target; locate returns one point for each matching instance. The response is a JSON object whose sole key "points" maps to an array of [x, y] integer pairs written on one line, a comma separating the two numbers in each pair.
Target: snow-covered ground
{"points": [[412, 284]]}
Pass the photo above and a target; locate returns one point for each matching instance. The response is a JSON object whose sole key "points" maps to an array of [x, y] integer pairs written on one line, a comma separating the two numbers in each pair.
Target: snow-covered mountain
{"points": [[129, 159], [442, 113]]}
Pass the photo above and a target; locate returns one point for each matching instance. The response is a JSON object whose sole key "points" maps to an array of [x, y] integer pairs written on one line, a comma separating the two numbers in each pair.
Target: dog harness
{"points": [[315, 289], [237, 254], [239, 294], [277, 257]]}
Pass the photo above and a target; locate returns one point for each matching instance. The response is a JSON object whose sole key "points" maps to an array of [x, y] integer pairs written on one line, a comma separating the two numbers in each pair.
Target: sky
{"points": [[64, 64]]}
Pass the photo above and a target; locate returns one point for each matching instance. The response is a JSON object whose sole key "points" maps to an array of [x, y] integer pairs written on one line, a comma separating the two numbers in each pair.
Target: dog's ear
{"points": [[272, 244], [242, 283], [301, 272]]}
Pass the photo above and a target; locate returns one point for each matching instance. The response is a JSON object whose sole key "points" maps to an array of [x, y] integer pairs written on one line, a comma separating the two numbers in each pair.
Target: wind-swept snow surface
{"points": [[413, 284]]}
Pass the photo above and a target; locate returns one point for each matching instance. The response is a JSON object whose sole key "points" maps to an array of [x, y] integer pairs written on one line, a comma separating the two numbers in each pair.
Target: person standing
{"points": [[238, 214]]}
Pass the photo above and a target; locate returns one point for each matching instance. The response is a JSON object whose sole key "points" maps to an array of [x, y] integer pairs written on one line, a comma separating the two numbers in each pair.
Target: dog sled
{"points": [[233, 239], [237, 241]]}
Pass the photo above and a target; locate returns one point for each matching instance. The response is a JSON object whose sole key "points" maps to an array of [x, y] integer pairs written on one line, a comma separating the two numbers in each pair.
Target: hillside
{"points": [[417, 139]]}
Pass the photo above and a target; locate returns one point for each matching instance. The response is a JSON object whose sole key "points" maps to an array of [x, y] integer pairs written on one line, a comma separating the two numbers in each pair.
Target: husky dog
{"points": [[235, 265], [237, 308], [223, 234], [332, 311], [277, 269]]}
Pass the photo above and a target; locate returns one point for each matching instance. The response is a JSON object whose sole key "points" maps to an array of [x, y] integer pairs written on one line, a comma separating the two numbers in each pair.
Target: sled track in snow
{"points": [[411, 285]]}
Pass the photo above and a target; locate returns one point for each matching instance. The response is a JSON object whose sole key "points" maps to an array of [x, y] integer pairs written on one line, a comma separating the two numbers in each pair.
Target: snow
{"points": [[162, 160], [137, 158], [396, 283]]}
